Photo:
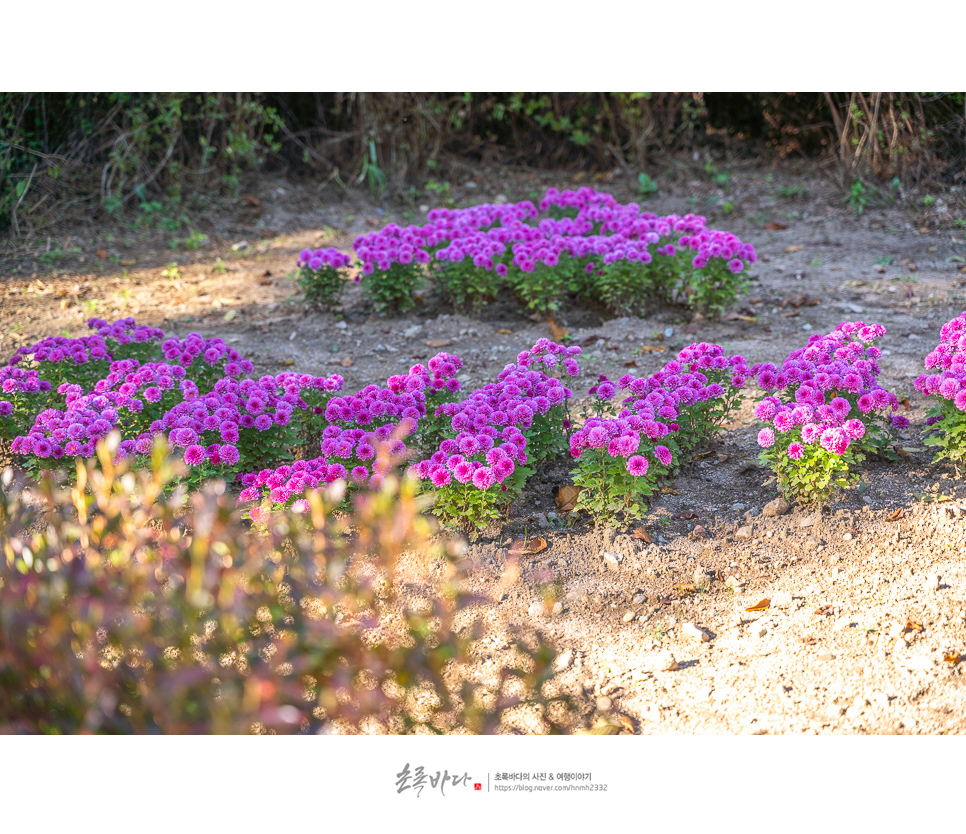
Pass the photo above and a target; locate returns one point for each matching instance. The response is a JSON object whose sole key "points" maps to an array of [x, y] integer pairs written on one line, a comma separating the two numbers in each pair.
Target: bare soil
{"points": [[866, 600]]}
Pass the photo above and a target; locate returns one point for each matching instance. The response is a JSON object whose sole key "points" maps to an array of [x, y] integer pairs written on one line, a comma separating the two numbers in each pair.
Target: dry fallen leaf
{"points": [[566, 497], [557, 332], [669, 491], [824, 611], [772, 226], [761, 606], [642, 534], [347, 362], [503, 331], [102, 254], [252, 200], [796, 248], [438, 343], [603, 727], [527, 547], [700, 532], [904, 402], [683, 590], [791, 314], [912, 626], [703, 455], [688, 514], [652, 349], [587, 341], [952, 657], [630, 363], [896, 515]]}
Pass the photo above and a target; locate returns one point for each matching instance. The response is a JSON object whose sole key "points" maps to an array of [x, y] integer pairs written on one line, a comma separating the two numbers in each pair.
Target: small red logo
{"points": [[477, 786]]}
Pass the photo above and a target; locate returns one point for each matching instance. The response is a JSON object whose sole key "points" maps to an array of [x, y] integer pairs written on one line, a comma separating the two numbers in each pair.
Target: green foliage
{"points": [[138, 610], [394, 290], [948, 434], [464, 286], [858, 195], [323, 286], [646, 187]]}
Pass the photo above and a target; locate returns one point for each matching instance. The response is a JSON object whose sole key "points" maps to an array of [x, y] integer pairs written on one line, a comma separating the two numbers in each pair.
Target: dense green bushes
{"points": [[128, 150]]}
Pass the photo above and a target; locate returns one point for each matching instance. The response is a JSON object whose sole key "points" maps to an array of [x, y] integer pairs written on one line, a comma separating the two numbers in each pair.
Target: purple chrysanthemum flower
{"points": [[766, 438], [194, 454], [795, 450], [637, 465]]}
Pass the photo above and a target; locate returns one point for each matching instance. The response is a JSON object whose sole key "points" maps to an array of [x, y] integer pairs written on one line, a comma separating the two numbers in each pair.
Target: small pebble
{"points": [[932, 582], [604, 703], [628, 617], [847, 537]]}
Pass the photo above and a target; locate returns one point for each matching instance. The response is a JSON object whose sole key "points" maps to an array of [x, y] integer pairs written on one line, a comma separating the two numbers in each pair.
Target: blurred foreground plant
{"points": [[125, 608]]}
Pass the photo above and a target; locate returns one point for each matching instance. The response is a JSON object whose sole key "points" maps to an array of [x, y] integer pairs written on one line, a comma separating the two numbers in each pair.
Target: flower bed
{"points": [[603, 251]]}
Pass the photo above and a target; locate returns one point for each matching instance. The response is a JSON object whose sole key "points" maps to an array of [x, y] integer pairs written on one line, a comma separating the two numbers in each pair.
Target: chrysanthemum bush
{"points": [[946, 391], [485, 454], [828, 412], [139, 610], [659, 420], [322, 276], [603, 251]]}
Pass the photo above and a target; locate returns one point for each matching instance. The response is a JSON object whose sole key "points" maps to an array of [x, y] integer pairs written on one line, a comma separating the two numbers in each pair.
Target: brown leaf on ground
{"points": [[904, 402], [252, 200], [896, 515], [669, 491], [796, 248], [587, 341], [912, 626], [630, 363], [824, 611], [688, 514], [642, 534], [760, 606], [791, 314], [566, 497], [773, 226], [952, 657], [527, 547], [700, 532], [703, 455], [347, 362], [683, 590], [102, 254], [438, 343], [557, 333], [738, 317], [652, 349], [504, 332]]}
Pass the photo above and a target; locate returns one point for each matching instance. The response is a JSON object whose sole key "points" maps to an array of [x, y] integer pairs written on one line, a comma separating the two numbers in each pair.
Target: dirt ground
{"points": [[866, 601]]}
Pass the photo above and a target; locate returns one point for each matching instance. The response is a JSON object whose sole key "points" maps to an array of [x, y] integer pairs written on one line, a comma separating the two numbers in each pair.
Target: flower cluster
{"points": [[607, 251], [480, 464], [827, 413], [321, 276], [620, 458], [947, 416]]}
